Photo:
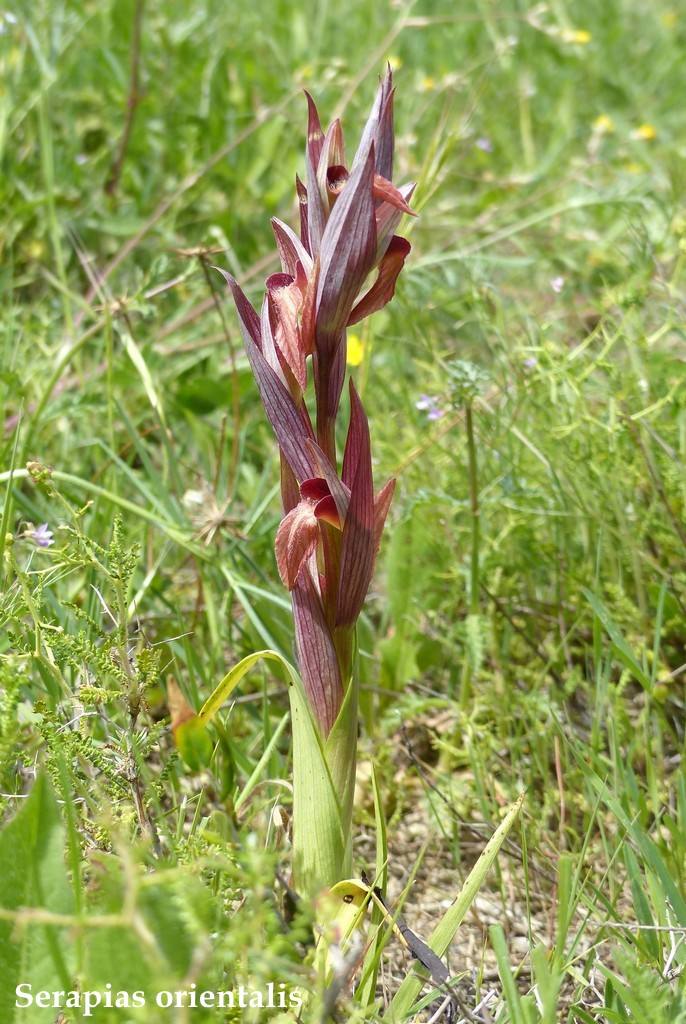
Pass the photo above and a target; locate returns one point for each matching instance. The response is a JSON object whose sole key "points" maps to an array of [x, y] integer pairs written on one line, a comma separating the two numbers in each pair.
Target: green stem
{"points": [[466, 690]]}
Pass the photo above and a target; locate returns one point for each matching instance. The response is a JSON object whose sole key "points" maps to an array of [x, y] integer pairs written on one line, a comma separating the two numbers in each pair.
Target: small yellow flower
{"points": [[645, 132], [603, 125], [669, 19], [395, 61], [577, 36], [427, 83], [355, 353]]}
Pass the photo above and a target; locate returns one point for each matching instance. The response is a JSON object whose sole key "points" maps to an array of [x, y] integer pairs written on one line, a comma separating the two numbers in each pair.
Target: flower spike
{"points": [[341, 267]]}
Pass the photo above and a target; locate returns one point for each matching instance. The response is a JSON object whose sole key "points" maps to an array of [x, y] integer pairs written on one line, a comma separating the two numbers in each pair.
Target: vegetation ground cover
{"points": [[526, 626]]}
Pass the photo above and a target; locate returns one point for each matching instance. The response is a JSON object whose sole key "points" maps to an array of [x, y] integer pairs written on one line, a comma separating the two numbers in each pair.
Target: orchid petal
{"points": [[269, 350], [336, 177], [296, 540], [327, 511], [383, 289], [290, 492], [314, 489], [388, 193], [248, 320], [348, 249], [307, 319], [315, 135], [388, 216], [338, 490], [285, 301], [291, 249], [332, 155], [302, 205]]}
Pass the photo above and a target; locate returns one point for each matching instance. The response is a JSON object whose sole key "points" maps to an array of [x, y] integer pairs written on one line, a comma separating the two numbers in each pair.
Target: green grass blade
{"points": [[445, 931]]}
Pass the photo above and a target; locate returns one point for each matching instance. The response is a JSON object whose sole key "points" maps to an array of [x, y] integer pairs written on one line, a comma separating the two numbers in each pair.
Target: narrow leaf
{"points": [[622, 649], [445, 931], [231, 680]]}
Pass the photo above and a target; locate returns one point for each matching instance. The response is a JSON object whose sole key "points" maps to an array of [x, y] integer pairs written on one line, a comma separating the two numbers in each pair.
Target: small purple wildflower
{"points": [[557, 284], [530, 362], [428, 405], [42, 536], [484, 143]]}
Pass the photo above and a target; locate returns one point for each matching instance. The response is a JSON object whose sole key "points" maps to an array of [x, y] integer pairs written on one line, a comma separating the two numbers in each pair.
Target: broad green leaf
{"points": [[189, 731], [193, 743], [320, 850], [33, 878], [452, 919]]}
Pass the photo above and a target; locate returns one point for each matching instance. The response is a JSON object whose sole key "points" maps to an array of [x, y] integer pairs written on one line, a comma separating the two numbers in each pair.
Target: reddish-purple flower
{"points": [[327, 543]]}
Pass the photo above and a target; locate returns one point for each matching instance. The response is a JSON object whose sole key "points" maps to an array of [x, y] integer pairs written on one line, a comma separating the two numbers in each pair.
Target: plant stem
{"points": [[466, 689], [132, 100]]}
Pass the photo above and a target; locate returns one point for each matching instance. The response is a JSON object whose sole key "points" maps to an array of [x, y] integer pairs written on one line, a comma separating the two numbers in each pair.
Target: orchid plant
{"points": [[330, 534]]}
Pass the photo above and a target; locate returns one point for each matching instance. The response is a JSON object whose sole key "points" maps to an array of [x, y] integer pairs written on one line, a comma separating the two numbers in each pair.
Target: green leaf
{"points": [[320, 851], [407, 552], [202, 395], [367, 987], [513, 1000], [32, 877], [340, 750], [619, 644], [190, 732], [231, 680], [194, 743], [645, 845], [445, 930]]}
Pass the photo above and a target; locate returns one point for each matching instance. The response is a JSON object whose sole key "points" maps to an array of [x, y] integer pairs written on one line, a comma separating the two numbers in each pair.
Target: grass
{"points": [[525, 629]]}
